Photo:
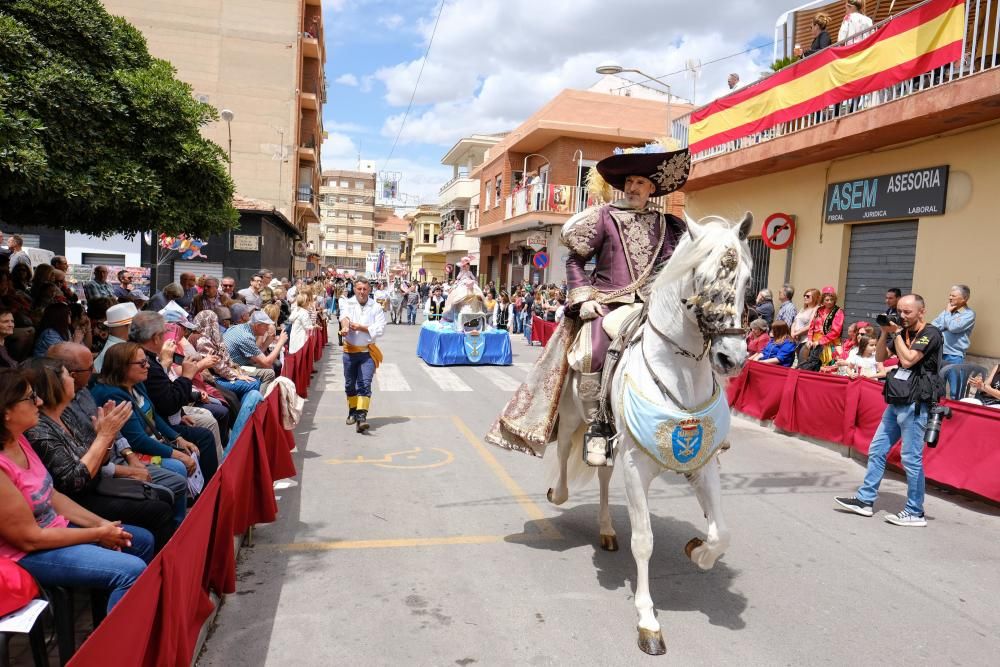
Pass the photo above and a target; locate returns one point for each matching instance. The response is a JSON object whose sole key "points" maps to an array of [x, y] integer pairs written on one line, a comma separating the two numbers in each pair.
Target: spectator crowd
{"points": [[118, 407]]}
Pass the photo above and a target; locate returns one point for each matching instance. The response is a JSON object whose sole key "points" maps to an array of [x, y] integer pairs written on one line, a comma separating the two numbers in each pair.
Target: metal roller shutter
{"points": [[210, 269], [881, 257]]}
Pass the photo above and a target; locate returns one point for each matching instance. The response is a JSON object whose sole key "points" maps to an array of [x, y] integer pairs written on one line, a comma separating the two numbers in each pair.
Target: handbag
{"points": [[132, 489]]}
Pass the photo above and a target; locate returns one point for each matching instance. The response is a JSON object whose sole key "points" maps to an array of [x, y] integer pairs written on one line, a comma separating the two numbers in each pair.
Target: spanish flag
{"points": [[908, 45]]}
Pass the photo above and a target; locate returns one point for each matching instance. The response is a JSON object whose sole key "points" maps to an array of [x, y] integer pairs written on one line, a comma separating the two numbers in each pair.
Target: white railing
{"points": [[461, 177], [979, 53], [547, 198]]}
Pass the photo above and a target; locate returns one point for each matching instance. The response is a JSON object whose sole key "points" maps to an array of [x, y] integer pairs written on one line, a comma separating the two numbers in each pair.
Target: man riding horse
{"points": [[631, 240]]}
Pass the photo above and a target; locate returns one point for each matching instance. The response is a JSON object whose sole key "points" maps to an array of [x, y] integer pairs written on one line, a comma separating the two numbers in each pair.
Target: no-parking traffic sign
{"points": [[540, 260]]}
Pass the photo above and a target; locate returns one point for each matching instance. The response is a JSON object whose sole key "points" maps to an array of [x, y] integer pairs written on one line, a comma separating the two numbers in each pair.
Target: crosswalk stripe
{"points": [[388, 377], [499, 378], [445, 379]]}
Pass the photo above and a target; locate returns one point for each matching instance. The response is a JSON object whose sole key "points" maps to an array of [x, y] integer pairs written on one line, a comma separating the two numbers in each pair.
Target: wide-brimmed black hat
{"points": [[668, 170]]}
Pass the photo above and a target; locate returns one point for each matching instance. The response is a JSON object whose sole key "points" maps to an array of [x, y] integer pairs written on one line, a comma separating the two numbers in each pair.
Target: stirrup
{"points": [[598, 445]]}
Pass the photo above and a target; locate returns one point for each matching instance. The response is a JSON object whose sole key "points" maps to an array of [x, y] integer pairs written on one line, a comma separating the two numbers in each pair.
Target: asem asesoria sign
{"points": [[909, 194]]}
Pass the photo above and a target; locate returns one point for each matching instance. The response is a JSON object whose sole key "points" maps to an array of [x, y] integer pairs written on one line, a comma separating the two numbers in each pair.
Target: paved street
{"points": [[417, 544]]}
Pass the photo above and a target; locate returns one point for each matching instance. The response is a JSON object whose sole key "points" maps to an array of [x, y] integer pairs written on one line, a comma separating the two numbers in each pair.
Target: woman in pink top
{"points": [[49, 535]]}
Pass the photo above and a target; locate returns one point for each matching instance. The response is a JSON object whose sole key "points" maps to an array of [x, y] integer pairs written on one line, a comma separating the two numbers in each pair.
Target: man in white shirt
{"points": [[362, 321]]}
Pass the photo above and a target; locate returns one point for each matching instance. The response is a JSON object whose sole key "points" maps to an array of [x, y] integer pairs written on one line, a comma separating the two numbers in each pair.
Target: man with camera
{"points": [[911, 393]]}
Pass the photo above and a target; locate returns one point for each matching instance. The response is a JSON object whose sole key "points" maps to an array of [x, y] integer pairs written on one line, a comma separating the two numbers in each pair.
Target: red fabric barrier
{"points": [[164, 611], [541, 330], [813, 404], [760, 390], [848, 412]]}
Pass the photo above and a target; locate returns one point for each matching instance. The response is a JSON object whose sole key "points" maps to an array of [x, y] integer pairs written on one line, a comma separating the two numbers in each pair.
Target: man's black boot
{"points": [[361, 417], [352, 416]]}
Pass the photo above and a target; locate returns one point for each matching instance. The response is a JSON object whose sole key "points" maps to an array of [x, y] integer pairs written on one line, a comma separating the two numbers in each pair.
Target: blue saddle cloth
{"points": [[440, 345], [677, 440]]}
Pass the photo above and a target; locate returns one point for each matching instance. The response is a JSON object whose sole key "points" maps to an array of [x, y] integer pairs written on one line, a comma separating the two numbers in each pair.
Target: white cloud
{"points": [[336, 126], [492, 64], [391, 21], [339, 151], [347, 80]]}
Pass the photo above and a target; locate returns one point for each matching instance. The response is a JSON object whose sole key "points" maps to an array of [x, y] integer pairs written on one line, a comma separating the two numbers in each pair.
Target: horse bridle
{"points": [[727, 265]]}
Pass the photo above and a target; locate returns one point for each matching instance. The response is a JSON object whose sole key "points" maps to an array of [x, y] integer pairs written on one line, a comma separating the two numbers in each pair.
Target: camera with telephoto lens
{"points": [[935, 415], [882, 319]]}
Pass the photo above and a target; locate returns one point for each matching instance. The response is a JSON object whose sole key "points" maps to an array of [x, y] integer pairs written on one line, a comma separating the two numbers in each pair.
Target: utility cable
{"points": [[710, 62], [416, 84]]}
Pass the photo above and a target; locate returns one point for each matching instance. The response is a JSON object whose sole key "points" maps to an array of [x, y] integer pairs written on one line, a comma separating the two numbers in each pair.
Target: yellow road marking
{"points": [[409, 454], [526, 503], [403, 543]]}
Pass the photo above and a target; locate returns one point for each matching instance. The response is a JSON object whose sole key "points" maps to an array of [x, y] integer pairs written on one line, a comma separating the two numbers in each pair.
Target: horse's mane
{"points": [[715, 233]]}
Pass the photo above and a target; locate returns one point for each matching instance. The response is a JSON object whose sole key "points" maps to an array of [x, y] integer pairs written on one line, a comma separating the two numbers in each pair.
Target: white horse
{"points": [[691, 335], [396, 297]]}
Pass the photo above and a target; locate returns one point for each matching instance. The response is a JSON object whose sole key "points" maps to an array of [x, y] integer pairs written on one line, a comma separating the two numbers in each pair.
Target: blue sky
{"points": [[493, 63]]}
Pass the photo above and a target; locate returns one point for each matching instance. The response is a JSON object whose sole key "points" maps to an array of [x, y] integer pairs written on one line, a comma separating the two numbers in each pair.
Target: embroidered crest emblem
{"points": [[474, 346]]}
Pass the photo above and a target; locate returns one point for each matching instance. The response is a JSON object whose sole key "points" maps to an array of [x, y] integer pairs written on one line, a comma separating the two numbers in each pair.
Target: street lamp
{"points": [[228, 116], [609, 68]]}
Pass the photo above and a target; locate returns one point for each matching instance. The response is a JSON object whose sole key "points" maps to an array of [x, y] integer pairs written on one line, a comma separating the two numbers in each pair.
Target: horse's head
{"points": [[711, 267]]}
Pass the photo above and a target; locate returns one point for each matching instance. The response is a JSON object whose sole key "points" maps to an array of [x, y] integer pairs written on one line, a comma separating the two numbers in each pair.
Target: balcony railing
{"points": [[304, 194], [461, 177], [547, 198], [979, 53]]}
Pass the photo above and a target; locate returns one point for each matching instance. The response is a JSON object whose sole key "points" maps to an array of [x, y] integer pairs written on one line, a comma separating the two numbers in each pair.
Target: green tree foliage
{"points": [[96, 135]]}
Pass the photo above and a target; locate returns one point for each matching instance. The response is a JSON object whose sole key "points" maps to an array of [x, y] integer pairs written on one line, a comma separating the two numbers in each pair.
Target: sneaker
{"points": [[362, 421], [855, 505], [351, 418], [905, 518]]}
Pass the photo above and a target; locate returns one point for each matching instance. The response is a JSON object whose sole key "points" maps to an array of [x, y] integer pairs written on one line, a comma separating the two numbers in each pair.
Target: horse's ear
{"points": [[745, 226], [694, 229]]}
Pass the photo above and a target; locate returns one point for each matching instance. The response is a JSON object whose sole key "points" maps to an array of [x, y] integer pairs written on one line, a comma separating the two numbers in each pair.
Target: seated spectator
{"points": [[36, 530], [80, 415], [168, 395], [54, 327], [59, 263], [6, 329], [987, 392], [41, 281], [240, 313], [20, 279], [241, 344], [121, 380], [119, 319], [81, 329], [224, 316], [765, 306], [251, 295], [189, 284], [228, 287], [757, 337], [123, 290], [99, 287], [208, 341], [800, 327], [170, 292], [861, 361], [59, 278], [76, 465], [825, 329], [300, 323], [210, 297], [780, 348]]}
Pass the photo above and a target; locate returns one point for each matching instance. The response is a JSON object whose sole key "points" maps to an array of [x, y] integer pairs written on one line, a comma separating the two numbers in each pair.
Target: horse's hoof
{"points": [[551, 495], [609, 542], [651, 642], [692, 544]]}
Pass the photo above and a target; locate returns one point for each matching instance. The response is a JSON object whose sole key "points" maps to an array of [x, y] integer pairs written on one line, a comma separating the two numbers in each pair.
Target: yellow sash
{"points": [[371, 349]]}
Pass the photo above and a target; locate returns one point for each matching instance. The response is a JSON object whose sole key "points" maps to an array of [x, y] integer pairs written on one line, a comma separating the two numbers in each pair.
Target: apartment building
{"points": [[422, 254], [348, 224], [456, 198], [264, 62], [893, 189], [534, 178]]}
